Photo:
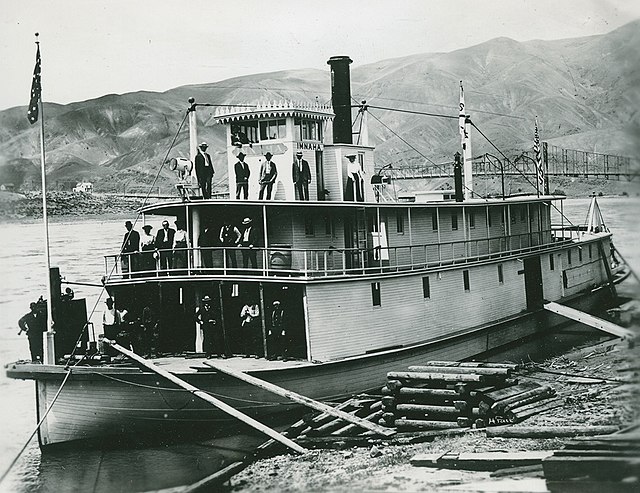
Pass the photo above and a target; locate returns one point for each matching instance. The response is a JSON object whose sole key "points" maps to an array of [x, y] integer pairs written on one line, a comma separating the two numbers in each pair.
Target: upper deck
{"points": [[316, 240]]}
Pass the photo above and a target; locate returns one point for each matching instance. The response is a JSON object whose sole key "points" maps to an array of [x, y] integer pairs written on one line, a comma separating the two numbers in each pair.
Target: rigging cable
{"points": [[416, 150], [55, 397]]}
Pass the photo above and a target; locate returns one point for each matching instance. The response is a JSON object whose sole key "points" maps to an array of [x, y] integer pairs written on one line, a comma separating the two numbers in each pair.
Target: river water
{"points": [[77, 247]]}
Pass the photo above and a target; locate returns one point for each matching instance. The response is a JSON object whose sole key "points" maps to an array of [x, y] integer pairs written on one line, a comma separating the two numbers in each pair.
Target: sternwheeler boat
{"points": [[347, 285]]}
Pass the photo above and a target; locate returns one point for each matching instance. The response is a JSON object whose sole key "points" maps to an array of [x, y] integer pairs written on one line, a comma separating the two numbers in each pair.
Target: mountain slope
{"points": [[584, 91]]}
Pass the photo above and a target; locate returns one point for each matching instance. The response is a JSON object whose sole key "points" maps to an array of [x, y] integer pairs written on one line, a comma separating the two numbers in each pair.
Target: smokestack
{"points": [[341, 99], [457, 177]]}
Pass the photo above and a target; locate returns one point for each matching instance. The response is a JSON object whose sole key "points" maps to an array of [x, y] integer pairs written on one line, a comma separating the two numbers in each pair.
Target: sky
{"points": [[91, 48]]}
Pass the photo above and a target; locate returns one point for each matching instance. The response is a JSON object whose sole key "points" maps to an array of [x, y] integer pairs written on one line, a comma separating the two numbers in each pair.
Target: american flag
{"points": [[538, 156], [462, 117], [36, 91]]}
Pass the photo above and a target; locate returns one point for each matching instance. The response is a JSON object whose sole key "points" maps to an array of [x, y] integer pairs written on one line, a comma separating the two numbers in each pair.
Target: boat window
{"points": [[400, 222], [454, 221], [426, 289], [489, 218], [273, 129], [308, 226], [307, 129], [551, 262], [375, 293], [328, 226], [590, 251], [244, 133], [465, 279], [579, 254], [500, 274], [569, 256], [434, 220], [523, 214], [472, 220]]}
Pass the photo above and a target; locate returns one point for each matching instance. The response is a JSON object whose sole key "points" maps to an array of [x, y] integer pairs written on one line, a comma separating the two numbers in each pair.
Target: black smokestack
{"points": [[341, 99]]}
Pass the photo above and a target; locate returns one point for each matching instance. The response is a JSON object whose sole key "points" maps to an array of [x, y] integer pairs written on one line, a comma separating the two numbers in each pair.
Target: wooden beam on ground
{"points": [[425, 376], [548, 431], [505, 372], [301, 399], [590, 320], [208, 398], [482, 461]]}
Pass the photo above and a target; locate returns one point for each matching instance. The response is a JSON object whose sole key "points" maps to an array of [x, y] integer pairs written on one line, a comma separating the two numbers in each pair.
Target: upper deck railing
{"points": [[283, 261]]}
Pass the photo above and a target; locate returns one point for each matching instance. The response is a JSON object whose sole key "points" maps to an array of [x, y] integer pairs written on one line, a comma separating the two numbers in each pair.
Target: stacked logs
{"points": [[445, 394], [514, 404], [441, 394]]}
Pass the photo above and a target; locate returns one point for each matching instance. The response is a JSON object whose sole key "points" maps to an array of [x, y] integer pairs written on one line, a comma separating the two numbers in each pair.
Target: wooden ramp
{"points": [[590, 320]]}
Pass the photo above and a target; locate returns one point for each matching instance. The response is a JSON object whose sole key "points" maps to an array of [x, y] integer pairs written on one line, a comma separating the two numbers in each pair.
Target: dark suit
{"points": [[242, 179], [130, 244], [248, 240], [165, 245], [301, 178], [204, 172]]}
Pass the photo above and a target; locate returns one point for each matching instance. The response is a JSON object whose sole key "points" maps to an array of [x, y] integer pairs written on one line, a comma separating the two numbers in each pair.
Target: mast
{"points": [[464, 124], [35, 112]]}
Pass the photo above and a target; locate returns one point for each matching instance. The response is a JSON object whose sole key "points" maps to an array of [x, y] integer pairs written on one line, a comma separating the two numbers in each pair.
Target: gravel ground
{"points": [[614, 399]]}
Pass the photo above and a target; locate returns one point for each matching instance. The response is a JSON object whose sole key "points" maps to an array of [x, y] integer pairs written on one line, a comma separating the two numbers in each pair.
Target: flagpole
{"points": [[49, 350]]}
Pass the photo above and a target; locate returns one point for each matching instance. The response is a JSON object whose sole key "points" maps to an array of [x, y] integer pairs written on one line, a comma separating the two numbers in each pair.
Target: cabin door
{"points": [[533, 282]]}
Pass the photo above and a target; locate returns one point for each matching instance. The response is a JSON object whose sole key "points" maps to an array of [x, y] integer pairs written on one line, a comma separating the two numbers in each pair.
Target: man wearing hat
{"points": [[204, 170], [212, 333], [164, 244], [301, 176], [242, 176], [130, 245], [248, 241], [147, 247], [268, 175]]}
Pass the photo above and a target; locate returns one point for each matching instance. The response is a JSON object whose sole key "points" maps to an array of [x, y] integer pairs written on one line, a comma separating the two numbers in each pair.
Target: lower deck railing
{"points": [[316, 263]]}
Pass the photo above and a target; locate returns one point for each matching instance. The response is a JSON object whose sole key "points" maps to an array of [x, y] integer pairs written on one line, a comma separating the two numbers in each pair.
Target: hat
{"points": [[206, 298], [268, 155], [241, 155], [147, 227], [276, 302], [128, 223], [299, 153], [204, 144], [349, 156], [246, 220]]}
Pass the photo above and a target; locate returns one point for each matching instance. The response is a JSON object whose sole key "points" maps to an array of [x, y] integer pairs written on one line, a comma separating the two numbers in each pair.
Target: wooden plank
{"points": [[548, 431], [208, 398], [544, 407], [288, 394], [472, 364], [500, 405], [505, 372], [606, 468], [427, 410], [483, 461], [496, 395], [590, 320], [426, 377]]}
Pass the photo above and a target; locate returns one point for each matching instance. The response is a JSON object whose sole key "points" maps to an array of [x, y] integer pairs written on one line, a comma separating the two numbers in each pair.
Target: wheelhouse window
{"points": [[375, 293], [306, 129], [454, 221], [400, 222], [426, 288], [309, 229], [244, 133], [273, 129], [465, 280]]}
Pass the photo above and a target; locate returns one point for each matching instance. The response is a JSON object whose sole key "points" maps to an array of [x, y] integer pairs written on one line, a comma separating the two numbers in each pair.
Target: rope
{"points": [[64, 381]]}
